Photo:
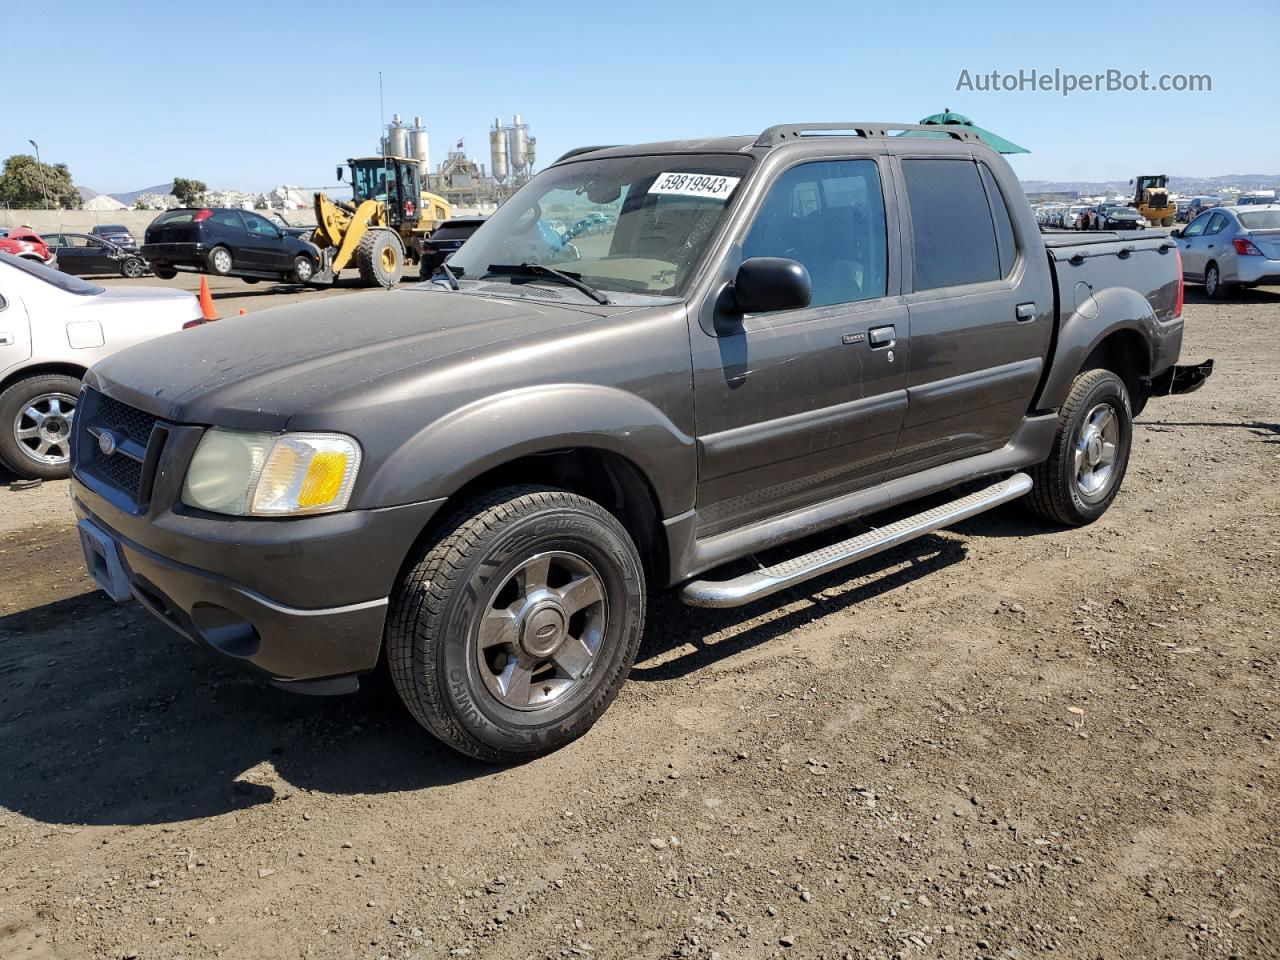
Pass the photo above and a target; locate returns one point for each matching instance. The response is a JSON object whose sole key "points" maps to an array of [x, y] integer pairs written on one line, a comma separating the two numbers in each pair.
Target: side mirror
{"points": [[765, 284], [339, 169], [1175, 232]]}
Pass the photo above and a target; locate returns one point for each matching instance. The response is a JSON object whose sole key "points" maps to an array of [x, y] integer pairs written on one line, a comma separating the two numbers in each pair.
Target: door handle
{"points": [[1025, 311], [879, 337], [6, 339]]}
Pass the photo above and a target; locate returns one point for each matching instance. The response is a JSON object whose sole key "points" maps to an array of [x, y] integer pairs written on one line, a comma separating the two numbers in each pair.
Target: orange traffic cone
{"points": [[243, 311], [206, 301]]}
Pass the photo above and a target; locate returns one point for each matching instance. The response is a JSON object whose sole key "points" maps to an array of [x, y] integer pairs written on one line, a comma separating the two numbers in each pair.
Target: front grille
{"points": [[133, 432]]}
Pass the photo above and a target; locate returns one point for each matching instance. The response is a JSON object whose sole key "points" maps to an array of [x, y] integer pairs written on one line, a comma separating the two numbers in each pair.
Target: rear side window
{"points": [[952, 230], [228, 218], [1006, 246], [1216, 223], [55, 278], [829, 215]]}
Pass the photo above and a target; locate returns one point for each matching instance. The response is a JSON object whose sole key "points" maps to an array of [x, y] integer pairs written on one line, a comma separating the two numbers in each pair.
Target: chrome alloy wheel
{"points": [[222, 260], [43, 428], [1095, 452], [538, 635]]}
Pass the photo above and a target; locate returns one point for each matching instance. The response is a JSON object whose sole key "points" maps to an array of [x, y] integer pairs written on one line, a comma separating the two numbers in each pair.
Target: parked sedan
{"points": [[228, 243], [55, 326], [1230, 247], [115, 233], [444, 241], [84, 256], [1109, 216]]}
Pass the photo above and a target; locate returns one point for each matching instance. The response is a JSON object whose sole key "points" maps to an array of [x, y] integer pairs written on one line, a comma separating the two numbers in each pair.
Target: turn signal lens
{"points": [[307, 473]]}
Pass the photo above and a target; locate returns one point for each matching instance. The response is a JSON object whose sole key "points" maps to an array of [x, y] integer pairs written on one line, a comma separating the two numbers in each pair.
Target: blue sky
{"points": [[133, 92]]}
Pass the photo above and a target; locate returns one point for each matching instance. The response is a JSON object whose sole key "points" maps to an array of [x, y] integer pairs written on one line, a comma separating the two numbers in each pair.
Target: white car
{"points": [[53, 327]]}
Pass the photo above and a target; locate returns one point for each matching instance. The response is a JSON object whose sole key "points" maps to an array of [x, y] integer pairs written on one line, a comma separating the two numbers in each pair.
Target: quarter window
{"points": [[828, 215], [952, 230]]}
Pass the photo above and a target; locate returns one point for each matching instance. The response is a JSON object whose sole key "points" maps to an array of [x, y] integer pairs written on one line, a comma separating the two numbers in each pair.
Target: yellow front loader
{"points": [[383, 228], [1151, 199]]}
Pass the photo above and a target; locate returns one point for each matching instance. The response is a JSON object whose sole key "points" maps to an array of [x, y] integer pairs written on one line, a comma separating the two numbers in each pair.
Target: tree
{"points": [[24, 183], [190, 193]]}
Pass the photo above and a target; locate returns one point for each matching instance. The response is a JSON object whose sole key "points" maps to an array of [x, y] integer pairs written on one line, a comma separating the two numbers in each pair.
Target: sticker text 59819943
{"points": [[708, 186]]}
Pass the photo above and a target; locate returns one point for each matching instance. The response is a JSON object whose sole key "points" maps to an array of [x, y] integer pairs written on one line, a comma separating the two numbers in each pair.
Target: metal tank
{"points": [[517, 145], [397, 138], [498, 150], [420, 147]]}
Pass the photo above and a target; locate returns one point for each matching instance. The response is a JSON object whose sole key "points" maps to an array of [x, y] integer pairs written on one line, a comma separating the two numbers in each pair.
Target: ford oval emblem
{"points": [[107, 442]]}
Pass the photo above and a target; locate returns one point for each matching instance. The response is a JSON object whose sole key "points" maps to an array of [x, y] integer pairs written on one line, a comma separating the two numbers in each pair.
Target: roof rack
{"points": [[782, 132], [579, 151]]}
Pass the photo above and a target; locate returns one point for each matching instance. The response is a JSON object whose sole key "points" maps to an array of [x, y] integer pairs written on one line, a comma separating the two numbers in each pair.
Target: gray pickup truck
{"points": [[480, 479]]}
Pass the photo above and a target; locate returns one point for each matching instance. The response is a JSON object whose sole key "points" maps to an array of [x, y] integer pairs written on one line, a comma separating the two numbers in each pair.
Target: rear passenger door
{"points": [[981, 307], [797, 406], [228, 230]]}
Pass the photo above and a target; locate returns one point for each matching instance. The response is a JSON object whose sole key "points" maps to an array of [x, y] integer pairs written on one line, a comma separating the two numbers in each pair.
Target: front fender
{"points": [[456, 448], [1093, 318]]}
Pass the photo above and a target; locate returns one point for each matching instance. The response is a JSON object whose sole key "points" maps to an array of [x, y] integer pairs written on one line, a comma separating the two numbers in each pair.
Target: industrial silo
{"points": [[498, 151], [420, 147], [397, 138]]}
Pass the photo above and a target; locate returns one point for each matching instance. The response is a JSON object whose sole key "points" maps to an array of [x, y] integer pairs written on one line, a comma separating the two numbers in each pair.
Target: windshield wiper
{"points": [[449, 276], [551, 273]]}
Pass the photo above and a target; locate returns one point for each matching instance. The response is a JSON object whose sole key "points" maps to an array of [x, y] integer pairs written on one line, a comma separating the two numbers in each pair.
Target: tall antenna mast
{"points": [[382, 116]]}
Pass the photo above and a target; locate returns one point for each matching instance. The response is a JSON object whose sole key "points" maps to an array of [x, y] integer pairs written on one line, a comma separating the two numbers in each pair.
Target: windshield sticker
{"points": [[695, 185]]}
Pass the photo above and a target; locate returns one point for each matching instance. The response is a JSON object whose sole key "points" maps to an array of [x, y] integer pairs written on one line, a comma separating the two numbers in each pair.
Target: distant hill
{"points": [[1183, 185], [128, 199]]}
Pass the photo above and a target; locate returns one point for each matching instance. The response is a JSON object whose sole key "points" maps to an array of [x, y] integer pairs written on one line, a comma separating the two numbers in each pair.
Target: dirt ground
{"points": [[1004, 740]]}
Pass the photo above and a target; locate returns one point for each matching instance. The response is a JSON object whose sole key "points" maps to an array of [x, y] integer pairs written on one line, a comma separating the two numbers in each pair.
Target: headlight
{"points": [[271, 474]]}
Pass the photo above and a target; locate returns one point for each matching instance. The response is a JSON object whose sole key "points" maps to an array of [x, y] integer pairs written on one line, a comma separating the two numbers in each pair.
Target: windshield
{"points": [[630, 224], [1261, 220], [56, 278]]}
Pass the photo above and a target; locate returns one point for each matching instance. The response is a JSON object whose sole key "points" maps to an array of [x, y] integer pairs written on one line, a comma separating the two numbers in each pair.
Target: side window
{"points": [[228, 218], [1197, 226], [1216, 223], [1006, 245], [258, 225], [829, 215], [77, 241], [952, 230]]}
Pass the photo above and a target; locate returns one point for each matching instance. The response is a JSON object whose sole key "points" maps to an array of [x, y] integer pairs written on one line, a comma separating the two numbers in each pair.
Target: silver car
{"points": [[1229, 247], [53, 327]]}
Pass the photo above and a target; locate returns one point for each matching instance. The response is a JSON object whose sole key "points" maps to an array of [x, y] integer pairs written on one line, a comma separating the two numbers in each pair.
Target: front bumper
{"points": [[252, 588]]}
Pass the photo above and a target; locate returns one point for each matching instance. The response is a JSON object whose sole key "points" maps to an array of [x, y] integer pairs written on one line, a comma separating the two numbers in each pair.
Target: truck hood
{"points": [[255, 372]]}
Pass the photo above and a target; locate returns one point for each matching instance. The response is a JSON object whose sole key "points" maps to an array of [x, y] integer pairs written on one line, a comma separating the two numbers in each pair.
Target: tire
{"points": [[164, 271], [380, 258], [1214, 287], [1063, 491], [133, 268], [483, 566], [219, 261], [36, 418], [303, 269], [249, 280]]}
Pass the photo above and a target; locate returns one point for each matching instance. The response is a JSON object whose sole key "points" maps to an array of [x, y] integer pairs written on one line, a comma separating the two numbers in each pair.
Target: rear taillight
{"points": [[1177, 307], [202, 215], [1245, 247], [197, 322]]}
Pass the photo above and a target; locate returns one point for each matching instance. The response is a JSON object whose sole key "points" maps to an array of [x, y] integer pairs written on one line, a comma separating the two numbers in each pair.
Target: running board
{"points": [[788, 573]]}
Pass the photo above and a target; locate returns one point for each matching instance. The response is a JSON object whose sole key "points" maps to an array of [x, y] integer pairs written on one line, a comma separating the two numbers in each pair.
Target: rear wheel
{"points": [[380, 258], [36, 419], [512, 630], [132, 268], [219, 261], [164, 271], [1076, 485], [1214, 288]]}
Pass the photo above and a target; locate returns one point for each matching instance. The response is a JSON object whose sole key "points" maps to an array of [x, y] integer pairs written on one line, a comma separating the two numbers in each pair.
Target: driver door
{"points": [[1192, 244], [798, 406]]}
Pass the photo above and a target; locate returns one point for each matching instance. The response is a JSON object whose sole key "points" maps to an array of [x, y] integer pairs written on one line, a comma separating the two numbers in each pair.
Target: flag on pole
{"points": [[459, 146]]}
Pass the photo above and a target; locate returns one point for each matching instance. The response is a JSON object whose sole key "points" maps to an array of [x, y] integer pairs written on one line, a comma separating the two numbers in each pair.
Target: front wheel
{"points": [[164, 271], [380, 258], [303, 269], [513, 629], [132, 268], [1076, 485], [36, 419]]}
